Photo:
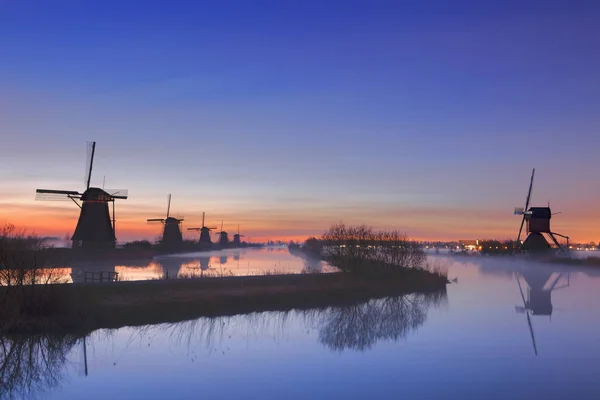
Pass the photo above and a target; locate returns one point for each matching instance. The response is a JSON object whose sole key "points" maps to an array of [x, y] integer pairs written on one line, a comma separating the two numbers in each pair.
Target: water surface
{"points": [[504, 330]]}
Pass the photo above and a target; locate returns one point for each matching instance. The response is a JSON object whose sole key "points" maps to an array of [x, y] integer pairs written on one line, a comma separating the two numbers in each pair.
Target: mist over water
{"points": [[506, 329]]}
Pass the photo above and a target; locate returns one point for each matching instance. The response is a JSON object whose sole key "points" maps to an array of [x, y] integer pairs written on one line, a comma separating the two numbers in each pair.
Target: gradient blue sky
{"points": [[286, 116]]}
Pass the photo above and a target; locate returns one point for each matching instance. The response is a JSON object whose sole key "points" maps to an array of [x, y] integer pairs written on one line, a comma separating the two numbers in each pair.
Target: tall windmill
{"points": [[204, 240], [538, 223], [223, 238], [172, 230], [236, 238], [94, 229]]}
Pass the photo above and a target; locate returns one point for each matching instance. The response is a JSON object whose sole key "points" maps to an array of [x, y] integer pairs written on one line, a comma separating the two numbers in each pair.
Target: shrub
{"points": [[360, 249], [23, 280]]}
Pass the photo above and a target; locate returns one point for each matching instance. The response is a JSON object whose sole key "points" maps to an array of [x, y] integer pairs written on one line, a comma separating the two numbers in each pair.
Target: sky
{"points": [[286, 117]]}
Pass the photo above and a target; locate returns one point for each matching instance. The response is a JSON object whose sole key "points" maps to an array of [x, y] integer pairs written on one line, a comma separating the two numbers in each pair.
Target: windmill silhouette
{"points": [[223, 237], [172, 230], [538, 224], [236, 238], [204, 241], [94, 229]]}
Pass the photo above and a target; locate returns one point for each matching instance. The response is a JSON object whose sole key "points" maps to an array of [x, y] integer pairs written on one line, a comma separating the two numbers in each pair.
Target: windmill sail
{"points": [[526, 207], [89, 161], [117, 193], [56, 195], [528, 317]]}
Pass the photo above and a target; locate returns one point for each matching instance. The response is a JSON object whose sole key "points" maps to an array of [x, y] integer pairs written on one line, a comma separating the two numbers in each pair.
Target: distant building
{"points": [[469, 244]]}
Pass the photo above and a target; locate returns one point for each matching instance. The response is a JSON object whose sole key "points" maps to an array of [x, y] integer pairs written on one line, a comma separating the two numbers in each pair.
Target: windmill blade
{"points": [[528, 317], [168, 205], [56, 195], [155, 220], [529, 192], [520, 230], [89, 162], [118, 193], [194, 229], [203, 218], [51, 191]]}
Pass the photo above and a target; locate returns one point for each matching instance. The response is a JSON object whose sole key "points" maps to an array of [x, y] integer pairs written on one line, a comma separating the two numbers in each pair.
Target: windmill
{"points": [[236, 238], [538, 223], [223, 238], [172, 231], [94, 229], [204, 240]]}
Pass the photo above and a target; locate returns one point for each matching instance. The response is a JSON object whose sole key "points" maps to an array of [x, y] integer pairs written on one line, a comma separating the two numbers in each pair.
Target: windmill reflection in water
{"points": [[538, 300]]}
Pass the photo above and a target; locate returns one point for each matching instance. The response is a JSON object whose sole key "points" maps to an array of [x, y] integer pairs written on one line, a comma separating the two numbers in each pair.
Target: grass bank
{"points": [[86, 307]]}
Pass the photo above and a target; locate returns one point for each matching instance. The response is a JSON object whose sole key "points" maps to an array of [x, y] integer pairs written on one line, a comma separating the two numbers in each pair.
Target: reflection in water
{"points": [[200, 264], [541, 283], [355, 327], [33, 364], [361, 326], [30, 365]]}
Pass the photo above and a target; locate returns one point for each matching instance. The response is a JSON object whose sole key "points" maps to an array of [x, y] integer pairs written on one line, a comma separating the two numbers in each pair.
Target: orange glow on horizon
{"points": [[418, 223]]}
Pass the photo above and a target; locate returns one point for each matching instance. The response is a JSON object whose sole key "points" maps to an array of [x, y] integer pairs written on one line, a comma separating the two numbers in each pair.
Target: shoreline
{"points": [[86, 307]]}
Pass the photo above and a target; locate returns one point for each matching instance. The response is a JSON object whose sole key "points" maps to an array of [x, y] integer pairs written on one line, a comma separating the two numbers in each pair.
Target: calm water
{"points": [[203, 264], [480, 341]]}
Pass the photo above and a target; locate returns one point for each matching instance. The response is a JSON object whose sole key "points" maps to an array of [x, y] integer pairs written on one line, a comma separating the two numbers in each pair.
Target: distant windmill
{"points": [[172, 231], [538, 223], [94, 227], [236, 238], [223, 238], [204, 240]]}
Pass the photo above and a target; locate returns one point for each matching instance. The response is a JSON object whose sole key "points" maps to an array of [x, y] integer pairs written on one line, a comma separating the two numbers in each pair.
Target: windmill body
{"points": [[94, 229], [172, 232], [237, 242], [205, 239], [223, 237], [94, 226]]}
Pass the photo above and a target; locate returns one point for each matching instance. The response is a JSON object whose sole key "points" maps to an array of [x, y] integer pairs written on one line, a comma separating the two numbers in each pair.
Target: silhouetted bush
{"points": [[138, 244], [24, 283], [360, 249]]}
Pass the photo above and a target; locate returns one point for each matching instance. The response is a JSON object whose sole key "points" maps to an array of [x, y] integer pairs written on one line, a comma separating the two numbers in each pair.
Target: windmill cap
{"points": [[540, 212], [95, 194]]}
